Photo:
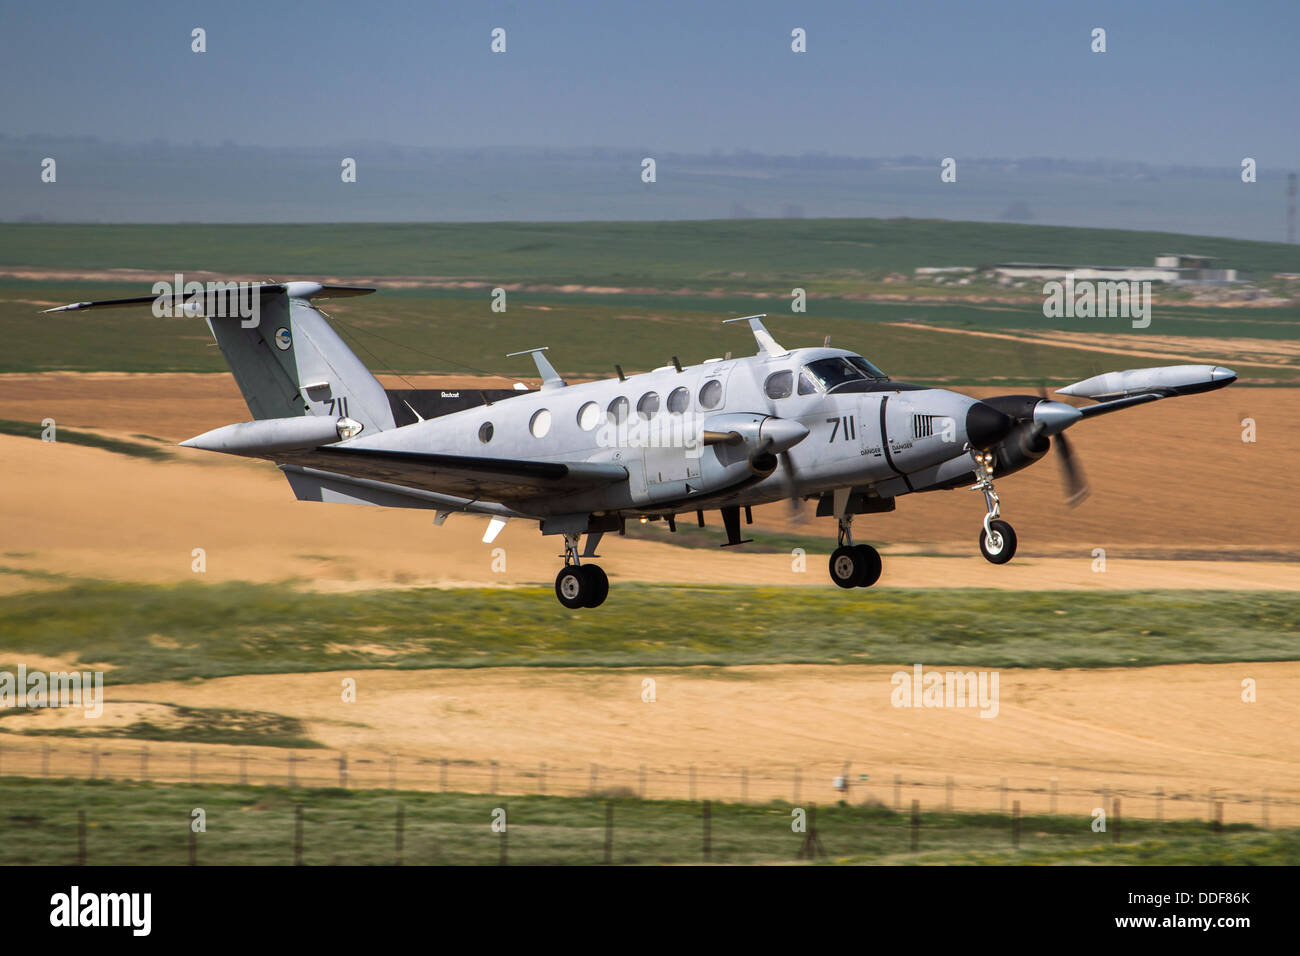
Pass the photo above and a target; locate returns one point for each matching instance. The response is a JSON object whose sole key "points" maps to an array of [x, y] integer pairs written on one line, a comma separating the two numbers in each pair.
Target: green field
{"points": [[674, 284], [237, 628], [128, 824], [753, 254]]}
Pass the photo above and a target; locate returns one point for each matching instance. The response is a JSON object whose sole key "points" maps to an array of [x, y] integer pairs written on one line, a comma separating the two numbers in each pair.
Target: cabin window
{"points": [[679, 399], [618, 411], [589, 416], [485, 432], [540, 423], [649, 405], [711, 394], [779, 384]]}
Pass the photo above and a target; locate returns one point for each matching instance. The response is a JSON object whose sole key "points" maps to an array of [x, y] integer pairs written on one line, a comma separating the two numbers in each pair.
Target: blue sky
{"points": [[1195, 83]]}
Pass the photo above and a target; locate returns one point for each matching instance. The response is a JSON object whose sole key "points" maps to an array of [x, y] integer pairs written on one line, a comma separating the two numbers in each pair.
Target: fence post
{"points": [[1114, 821], [1055, 781], [609, 832], [505, 830], [708, 830], [916, 825], [1218, 816], [401, 827], [297, 834], [343, 769], [81, 838], [1015, 824], [1210, 814]]}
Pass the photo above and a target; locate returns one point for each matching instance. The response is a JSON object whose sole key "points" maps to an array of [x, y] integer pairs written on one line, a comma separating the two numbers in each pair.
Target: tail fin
{"points": [[293, 363], [288, 362]]}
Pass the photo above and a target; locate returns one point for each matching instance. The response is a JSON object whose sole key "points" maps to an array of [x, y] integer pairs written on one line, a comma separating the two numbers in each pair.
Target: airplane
{"points": [[820, 423]]}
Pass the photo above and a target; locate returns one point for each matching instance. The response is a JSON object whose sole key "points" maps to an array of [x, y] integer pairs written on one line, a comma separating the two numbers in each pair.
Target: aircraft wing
{"points": [[492, 479]]}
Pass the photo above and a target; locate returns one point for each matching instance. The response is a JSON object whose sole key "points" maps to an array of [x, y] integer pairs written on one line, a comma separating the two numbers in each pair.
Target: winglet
{"points": [[550, 377], [764, 338]]}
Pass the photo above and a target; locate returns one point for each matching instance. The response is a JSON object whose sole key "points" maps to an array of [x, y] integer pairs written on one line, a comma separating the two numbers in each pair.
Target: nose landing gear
{"points": [[997, 538], [580, 585], [853, 565]]}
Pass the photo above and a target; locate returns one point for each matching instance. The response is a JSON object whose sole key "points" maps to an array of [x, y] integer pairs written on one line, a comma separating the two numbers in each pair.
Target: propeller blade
{"points": [[1076, 485]]}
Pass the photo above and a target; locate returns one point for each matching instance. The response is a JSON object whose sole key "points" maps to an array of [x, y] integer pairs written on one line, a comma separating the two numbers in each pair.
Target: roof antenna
{"points": [[621, 376], [826, 342], [676, 364], [550, 378]]}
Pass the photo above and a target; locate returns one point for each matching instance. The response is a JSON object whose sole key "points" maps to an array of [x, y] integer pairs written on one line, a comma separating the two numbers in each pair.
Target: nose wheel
{"points": [[580, 585], [854, 565], [997, 537]]}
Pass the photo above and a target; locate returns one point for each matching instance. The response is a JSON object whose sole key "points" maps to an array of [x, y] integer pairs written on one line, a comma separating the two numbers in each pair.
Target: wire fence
{"points": [[812, 784]]}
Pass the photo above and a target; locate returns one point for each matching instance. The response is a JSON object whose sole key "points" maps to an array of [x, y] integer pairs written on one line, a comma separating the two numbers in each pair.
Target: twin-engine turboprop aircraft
{"points": [[727, 434]]}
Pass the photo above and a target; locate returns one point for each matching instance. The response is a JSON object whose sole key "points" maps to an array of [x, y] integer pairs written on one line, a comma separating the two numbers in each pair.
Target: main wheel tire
{"points": [[1003, 548], [846, 567], [598, 582], [871, 565], [572, 586]]}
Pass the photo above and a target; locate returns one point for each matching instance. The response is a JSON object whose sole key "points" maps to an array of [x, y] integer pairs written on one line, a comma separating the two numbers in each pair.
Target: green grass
{"points": [[678, 281], [35, 430], [128, 824], [237, 628], [429, 331], [737, 254]]}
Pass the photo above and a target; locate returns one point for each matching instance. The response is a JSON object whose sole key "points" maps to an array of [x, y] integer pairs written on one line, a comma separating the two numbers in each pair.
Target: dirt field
{"points": [[1182, 729], [1174, 489], [1165, 480]]}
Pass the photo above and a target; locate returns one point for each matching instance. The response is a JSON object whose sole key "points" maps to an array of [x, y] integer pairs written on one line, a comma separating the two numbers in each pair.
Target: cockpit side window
{"points": [[806, 386], [779, 384], [867, 368]]}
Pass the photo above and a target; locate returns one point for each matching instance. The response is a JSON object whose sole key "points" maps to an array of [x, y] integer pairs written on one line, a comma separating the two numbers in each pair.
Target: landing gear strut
{"points": [[579, 585], [853, 565], [997, 538]]}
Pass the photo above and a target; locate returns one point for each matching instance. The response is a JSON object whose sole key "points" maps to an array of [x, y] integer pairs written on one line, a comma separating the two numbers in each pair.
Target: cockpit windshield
{"points": [[834, 372]]}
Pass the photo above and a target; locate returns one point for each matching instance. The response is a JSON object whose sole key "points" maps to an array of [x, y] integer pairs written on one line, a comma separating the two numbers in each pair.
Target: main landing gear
{"points": [[580, 585], [997, 538], [854, 565]]}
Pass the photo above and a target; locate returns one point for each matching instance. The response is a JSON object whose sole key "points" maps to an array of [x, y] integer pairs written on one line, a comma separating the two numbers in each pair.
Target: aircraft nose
{"points": [[986, 426], [781, 433], [1223, 376]]}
